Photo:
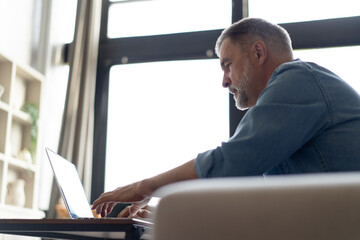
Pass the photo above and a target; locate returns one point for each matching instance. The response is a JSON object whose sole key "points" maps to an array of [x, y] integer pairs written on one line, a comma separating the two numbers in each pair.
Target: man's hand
{"points": [[141, 213], [134, 193], [139, 193]]}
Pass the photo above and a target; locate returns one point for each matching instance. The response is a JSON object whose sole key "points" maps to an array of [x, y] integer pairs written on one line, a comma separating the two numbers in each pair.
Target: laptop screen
{"points": [[70, 186]]}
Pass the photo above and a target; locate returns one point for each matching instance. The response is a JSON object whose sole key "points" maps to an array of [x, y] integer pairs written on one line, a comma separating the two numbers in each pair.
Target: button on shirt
{"points": [[306, 120]]}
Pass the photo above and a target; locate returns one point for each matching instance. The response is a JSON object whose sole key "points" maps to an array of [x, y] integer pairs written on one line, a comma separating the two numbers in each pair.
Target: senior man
{"points": [[302, 118]]}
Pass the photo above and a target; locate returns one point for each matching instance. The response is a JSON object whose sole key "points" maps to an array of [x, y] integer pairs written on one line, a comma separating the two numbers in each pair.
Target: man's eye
{"points": [[227, 66]]}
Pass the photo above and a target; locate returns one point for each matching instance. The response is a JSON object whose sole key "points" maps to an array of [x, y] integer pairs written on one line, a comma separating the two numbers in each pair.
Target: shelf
{"points": [[21, 117], [22, 85], [9, 211], [4, 106], [29, 74], [18, 173], [27, 83], [22, 164], [28, 91], [19, 138], [4, 58]]}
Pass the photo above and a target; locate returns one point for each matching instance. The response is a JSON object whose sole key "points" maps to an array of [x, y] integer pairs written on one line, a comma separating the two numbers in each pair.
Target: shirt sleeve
{"points": [[289, 112]]}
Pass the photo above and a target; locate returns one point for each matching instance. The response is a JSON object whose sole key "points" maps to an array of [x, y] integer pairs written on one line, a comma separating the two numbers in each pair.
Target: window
{"points": [[284, 11], [162, 114], [152, 17], [165, 40], [159, 96], [177, 108]]}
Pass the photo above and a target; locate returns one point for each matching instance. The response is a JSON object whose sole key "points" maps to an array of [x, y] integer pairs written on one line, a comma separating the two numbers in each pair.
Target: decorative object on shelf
{"points": [[12, 175], [2, 89], [16, 193], [20, 86], [33, 110], [16, 139], [25, 155]]}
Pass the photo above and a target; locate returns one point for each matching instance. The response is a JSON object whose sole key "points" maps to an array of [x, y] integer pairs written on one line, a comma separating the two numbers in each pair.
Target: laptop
{"points": [[70, 186], [72, 190]]}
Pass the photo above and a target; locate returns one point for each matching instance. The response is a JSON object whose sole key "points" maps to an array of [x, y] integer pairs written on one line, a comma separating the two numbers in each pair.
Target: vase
{"points": [[16, 193]]}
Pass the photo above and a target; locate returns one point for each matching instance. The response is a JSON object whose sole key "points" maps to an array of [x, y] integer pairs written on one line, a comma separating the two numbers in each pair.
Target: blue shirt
{"points": [[306, 120]]}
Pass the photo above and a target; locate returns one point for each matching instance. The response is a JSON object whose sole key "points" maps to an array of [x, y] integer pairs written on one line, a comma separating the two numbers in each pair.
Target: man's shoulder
{"points": [[292, 73], [293, 66], [298, 72], [291, 82], [297, 66]]}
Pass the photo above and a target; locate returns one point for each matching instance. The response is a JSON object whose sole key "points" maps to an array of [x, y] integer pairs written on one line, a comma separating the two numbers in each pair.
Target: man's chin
{"points": [[242, 106]]}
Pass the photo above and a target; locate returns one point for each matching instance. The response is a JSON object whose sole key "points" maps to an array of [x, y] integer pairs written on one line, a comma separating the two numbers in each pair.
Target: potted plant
{"points": [[33, 110]]}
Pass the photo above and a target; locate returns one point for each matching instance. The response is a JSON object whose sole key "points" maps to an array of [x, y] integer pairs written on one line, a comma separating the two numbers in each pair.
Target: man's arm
{"points": [[139, 193]]}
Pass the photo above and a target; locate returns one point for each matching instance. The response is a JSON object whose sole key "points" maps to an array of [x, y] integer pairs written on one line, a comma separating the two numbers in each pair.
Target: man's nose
{"points": [[226, 81]]}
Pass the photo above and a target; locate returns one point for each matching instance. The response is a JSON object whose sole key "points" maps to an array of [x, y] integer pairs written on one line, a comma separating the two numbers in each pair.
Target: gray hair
{"points": [[248, 30]]}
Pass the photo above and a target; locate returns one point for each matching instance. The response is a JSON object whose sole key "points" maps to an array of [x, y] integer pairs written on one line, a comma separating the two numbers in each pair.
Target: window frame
{"points": [[189, 46]]}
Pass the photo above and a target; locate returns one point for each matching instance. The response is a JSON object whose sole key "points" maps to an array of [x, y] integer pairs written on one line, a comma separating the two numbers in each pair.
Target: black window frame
{"points": [[193, 45]]}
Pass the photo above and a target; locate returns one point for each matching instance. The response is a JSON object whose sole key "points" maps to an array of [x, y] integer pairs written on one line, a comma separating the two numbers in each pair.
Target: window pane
{"points": [[282, 11], [162, 114], [342, 60], [152, 17]]}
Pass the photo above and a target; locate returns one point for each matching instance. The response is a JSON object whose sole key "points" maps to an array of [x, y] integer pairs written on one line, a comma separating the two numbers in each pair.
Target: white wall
{"points": [[16, 19]]}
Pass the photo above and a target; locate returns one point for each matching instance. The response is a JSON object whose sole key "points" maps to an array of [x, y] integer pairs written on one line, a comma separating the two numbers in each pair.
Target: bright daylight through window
{"points": [[152, 17], [162, 114], [285, 11]]}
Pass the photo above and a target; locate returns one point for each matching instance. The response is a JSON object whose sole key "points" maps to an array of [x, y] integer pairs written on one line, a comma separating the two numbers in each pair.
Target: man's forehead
{"points": [[224, 46], [226, 50]]}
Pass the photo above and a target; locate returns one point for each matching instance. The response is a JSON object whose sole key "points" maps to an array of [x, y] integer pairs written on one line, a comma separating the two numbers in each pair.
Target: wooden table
{"points": [[90, 229]]}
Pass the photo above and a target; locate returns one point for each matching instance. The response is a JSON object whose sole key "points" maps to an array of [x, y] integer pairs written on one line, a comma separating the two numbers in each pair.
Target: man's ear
{"points": [[260, 51]]}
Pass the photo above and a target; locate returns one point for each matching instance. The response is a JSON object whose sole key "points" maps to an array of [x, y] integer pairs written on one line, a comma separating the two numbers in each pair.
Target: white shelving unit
{"points": [[22, 85]]}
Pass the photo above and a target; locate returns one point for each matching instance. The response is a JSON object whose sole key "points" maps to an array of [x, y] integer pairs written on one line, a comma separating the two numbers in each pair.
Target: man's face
{"points": [[238, 73]]}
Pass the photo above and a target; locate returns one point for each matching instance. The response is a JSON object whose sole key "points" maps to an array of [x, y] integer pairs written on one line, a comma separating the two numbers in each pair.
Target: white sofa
{"points": [[322, 206]]}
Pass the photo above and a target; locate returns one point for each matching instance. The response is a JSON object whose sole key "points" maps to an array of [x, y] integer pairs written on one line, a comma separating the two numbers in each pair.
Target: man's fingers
{"points": [[125, 213], [129, 211], [143, 213], [106, 202], [105, 197], [105, 208], [140, 213], [97, 209], [112, 206], [109, 207], [135, 207], [102, 210]]}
